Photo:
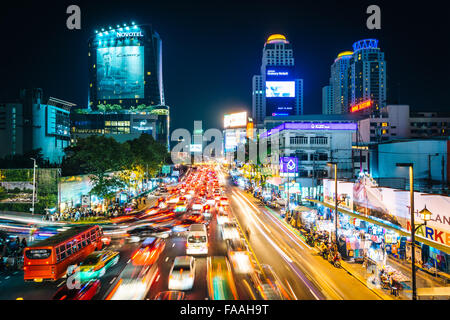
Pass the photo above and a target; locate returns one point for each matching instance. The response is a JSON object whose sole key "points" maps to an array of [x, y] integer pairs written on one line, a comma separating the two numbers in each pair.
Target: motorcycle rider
{"points": [[323, 249]]}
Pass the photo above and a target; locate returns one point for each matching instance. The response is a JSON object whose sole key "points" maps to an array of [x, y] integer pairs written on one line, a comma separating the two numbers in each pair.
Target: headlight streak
{"points": [[283, 254]]}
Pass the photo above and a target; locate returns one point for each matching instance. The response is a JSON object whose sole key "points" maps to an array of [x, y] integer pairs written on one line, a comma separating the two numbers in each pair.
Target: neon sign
{"points": [[129, 34], [361, 106]]}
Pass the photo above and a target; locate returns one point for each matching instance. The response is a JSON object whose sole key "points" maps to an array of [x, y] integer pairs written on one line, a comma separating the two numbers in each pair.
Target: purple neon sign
{"points": [[288, 164], [311, 126]]}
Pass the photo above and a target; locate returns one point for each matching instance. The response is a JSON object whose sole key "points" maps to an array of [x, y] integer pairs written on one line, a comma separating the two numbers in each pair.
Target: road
{"points": [[303, 273], [301, 269]]}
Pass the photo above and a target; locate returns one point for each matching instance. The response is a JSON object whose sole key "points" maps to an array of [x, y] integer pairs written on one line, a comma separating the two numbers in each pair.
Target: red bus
{"points": [[49, 258]]}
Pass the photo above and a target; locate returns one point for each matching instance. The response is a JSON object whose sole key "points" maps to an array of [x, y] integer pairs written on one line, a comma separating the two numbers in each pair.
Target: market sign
{"points": [[361, 106]]}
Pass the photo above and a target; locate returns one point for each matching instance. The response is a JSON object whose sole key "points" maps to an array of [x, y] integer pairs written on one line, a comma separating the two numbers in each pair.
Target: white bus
{"points": [[197, 239]]}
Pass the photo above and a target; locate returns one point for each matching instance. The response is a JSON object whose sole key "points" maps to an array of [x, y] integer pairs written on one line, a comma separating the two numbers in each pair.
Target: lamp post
{"points": [[335, 199], [413, 228], [34, 183]]}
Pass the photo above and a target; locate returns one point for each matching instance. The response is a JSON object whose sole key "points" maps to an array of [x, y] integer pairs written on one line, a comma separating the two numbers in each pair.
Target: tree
{"points": [[148, 154], [101, 158]]}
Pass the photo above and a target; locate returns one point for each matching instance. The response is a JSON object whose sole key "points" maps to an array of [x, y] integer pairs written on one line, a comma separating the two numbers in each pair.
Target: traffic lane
{"points": [[176, 246], [335, 283], [267, 252], [16, 287]]}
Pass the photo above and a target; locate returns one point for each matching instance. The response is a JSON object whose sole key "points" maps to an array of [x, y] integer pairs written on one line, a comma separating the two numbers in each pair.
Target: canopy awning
{"points": [[276, 181]]}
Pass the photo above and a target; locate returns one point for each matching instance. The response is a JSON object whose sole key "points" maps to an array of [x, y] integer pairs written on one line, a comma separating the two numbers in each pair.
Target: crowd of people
{"points": [[11, 253], [81, 213]]}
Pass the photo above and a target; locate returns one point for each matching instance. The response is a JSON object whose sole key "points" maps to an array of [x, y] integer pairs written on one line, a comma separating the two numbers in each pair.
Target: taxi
{"points": [[96, 264]]}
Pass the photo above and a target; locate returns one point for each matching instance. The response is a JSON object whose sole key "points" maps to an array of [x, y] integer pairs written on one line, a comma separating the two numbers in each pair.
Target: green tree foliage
{"points": [[113, 165], [100, 157]]}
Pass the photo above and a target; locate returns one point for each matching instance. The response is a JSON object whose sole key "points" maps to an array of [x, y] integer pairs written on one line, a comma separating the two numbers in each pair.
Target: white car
{"points": [[182, 273], [229, 231]]}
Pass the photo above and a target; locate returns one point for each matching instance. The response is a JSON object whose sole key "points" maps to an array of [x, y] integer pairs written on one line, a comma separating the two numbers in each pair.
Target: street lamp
{"points": [[34, 183], [413, 228], [330, 164]]}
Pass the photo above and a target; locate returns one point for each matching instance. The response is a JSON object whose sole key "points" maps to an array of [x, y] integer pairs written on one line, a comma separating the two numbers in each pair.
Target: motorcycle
{"points": [[335, 259]]}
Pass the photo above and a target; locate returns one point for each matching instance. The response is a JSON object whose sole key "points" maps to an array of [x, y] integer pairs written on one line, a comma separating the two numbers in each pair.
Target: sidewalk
{"points": [[355, 269]]}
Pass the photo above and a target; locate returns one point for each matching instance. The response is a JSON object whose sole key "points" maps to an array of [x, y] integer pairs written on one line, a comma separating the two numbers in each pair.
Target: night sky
{"points": [[212, 49]]}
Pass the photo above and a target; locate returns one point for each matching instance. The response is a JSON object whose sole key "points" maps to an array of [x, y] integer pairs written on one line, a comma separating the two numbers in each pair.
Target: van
{"points": [[197, 239]]}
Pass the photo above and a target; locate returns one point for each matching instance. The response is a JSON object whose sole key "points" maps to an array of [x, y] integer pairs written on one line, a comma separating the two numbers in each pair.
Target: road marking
{"points": [[167, 259], [112, 280], [59, 285], [7, 277], [290, 288], [157, 278], [173, 245]]}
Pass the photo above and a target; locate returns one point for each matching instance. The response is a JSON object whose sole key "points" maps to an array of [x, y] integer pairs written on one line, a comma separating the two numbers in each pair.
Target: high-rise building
{"points": [[357, 77], [367, 75], [327, 100], [339, 82], [126, 95], [30, 123], [276, 90], [125, 67]]}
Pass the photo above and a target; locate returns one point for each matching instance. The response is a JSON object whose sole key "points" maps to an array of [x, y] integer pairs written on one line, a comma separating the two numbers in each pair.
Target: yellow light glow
{"points": [[276, 37], [345, 53]]}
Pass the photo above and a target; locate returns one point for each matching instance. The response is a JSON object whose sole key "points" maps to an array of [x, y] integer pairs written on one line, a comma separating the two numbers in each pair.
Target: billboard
{"points": [[280, 89], [195, 148], [288, 166], [235, 120], [120, 72]]}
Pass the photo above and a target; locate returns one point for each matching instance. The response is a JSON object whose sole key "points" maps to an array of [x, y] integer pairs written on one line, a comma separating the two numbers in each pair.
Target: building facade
{"points": [[276, 90], [356, 77], [315, 140], [122, 126], [125, 67], [29, 124], [327, 100], [428, 156], [367, 75]]}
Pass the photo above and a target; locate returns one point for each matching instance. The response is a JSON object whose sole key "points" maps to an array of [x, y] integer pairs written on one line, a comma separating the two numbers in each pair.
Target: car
{"points": [[170, 295], [220, 281], [87, 291], [96, 264], [134, 282], [182, 273], [149, 251], [229, 230], [269, 286], [143, 231], [224, 201]]}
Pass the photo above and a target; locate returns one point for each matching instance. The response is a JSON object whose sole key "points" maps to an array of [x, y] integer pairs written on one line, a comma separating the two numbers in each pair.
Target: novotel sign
{"points": [[129, 34], [311, 126]]}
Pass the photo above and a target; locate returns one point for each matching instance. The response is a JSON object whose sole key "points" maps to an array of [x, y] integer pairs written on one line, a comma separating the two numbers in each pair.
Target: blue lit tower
{"points": [[367, 74], [278, 76], [125, 67]]}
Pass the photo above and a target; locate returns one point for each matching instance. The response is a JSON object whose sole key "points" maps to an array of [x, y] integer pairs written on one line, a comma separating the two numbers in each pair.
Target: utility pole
{"points": [[34, 183]]}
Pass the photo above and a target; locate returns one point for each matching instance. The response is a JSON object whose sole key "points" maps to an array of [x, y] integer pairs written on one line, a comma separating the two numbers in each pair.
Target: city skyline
{"points": [[317, 40]]}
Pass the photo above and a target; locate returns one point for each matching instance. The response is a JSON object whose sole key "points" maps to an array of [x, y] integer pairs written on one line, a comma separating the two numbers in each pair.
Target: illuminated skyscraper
{"points": [[357, 77], [367, 74], [276, 91]]}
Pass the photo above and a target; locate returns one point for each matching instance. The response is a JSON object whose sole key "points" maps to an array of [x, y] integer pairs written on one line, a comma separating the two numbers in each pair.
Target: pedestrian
{"points": [[24, 243]]}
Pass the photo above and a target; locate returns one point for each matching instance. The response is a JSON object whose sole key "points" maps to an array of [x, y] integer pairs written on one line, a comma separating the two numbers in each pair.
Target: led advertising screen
{"points": [[235, 120], [280, 89], [120, 72]]}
